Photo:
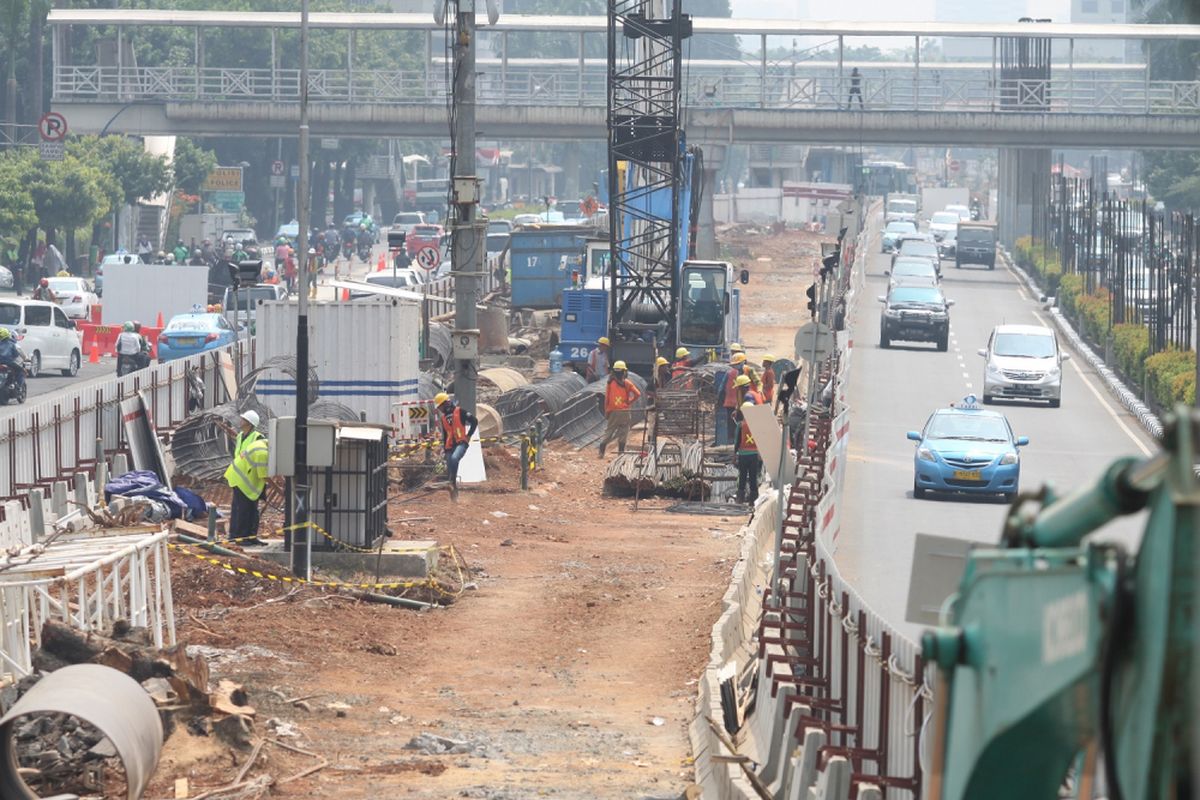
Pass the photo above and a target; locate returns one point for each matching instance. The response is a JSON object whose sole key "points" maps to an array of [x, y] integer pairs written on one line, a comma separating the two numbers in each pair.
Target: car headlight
{"points": [[1054, 372], [993, 369], [925, 454], [887, 312], [1009, 458]]}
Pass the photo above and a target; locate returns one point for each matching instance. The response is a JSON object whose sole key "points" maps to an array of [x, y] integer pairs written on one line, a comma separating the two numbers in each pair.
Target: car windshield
{"points": [[10, 314], [407, 219], [945, 218], [65, 285], [913, 247], [1029, 345], [903, 206], [974, 236], [193, 322], [496, 242], [399, 280], [901, 226], [913, 267], [973, 427], [915, 294]]}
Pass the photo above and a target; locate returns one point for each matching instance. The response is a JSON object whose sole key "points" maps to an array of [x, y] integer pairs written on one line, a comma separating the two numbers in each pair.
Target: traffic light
{"points": [[249, 271], [811, 291]]}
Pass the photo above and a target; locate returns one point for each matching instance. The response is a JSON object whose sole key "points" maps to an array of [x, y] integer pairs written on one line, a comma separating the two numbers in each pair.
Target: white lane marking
{"points": [[1103, 399]]}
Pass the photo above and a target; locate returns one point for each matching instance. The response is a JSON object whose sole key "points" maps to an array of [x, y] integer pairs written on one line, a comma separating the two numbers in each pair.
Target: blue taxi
{"points": [[966, 448]]}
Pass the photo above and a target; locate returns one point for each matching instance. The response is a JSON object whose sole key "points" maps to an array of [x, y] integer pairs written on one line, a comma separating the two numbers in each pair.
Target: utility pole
{"points": [[301, 536], [466, 247]]}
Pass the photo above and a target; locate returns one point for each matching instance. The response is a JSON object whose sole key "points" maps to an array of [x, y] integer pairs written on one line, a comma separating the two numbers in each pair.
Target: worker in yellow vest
{"points": [[619, 396], [247, 477]]}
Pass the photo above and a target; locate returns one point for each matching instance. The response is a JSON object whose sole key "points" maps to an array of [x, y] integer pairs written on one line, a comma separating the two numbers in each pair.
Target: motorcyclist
{"points": [[333, 240], [349, 236], [364, 237], [129, 345], [240, 254], [208, 252], [12, 357], [144, 344], [181, 252], [44, 292]]}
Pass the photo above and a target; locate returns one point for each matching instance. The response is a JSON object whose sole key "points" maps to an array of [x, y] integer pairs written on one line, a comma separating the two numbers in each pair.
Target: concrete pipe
{"points": [[108, 700], [490, 421]]}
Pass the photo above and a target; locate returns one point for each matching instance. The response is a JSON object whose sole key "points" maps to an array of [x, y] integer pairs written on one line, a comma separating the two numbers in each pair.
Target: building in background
{"points": [[961, 49], [1103, 12]]}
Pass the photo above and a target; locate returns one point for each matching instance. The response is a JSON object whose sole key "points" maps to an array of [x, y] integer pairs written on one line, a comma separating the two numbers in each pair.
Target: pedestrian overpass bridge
{"points": [[752, 99]]}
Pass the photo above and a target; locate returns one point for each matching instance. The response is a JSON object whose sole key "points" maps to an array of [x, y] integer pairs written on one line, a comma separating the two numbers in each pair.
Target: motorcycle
{"points": [[347, 250], [12, 386], [364, 252], [127, 364]]}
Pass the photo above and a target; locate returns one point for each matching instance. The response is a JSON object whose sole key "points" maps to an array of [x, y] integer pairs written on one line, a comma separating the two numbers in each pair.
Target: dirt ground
{"points": [[566, 669]]}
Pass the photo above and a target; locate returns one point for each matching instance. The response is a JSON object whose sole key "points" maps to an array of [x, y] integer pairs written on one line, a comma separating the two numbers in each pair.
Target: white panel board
{"points": [[471, 468], [767, 431], [364, 353], [143, 291]]}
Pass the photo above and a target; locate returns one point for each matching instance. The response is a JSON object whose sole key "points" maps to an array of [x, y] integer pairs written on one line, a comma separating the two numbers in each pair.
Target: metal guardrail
{"points": [[48, 440], [926, 89]]}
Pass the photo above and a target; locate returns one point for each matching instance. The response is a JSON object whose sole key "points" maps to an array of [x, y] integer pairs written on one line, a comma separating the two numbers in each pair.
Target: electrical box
{"points": [[466, 190], [281, 438], [466, 344]]}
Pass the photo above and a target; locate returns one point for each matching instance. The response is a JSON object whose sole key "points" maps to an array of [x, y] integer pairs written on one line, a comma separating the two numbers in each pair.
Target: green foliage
{"points": [[1170, 377], [1069, 289], [1094, 314], [192, 164], [68, 193], [138, 175], [17, 212], [1041, 260], [1131, 346]]}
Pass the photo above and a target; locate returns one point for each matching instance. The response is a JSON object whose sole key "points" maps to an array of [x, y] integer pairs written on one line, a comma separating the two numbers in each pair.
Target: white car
{"points": [[405, 221], [74, 296], [964, 213], [943, 224], [43, 332], [526, 219], [1024, 362]]}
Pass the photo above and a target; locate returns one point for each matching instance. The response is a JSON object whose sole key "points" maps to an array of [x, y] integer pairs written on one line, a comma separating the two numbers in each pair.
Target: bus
{"points": [[886, 177]]}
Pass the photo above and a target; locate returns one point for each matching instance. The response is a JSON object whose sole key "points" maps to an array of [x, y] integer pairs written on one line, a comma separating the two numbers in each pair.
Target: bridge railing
{"points": [[782, 89]]}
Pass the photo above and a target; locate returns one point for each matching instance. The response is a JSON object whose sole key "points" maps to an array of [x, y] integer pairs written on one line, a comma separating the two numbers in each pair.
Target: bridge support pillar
{"points": [[1022, 191], [706, 228]]}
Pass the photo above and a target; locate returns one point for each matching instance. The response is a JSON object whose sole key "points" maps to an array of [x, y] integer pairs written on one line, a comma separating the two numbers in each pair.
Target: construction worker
{"points": [[727, 401], [597, 361], [247, 477], [619, 396], [768, 378], [682, 362], [458, 426], [748, 461], [755, 388], [662, 372]]}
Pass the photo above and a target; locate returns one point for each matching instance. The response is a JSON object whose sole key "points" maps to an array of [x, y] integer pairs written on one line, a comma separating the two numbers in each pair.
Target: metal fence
{"points": [[742, 86], [50, 439]]}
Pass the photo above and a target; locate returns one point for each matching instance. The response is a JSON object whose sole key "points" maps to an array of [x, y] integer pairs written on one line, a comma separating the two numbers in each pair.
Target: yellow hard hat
{"points": [[741, 380], [619, 366], [736, 348], [602, 340], [768, 358], [682, 352], [737, 358], [660, 361], [440, 398]]}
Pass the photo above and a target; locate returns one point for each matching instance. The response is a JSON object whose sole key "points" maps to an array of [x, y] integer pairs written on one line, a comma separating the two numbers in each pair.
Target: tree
{"points": [[17, 212], [67, 194], [1173, 176], [138, 174], [192, 164]]}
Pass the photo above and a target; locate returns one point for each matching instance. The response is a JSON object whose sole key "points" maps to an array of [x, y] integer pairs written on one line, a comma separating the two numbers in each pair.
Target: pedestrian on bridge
{"points": [[619, 396], [855, 89], [597, 361], [458, 426], [748, 461], [247, 477]]}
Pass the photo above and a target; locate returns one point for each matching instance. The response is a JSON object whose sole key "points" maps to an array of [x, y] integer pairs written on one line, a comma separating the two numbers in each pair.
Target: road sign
{"points": [[277, 168], [295, 171], [223, 179], [429, 257], [804, 341], [418, 412], [329, 143], [52, 127], [278, 182], [51, 151], [954, 165]]}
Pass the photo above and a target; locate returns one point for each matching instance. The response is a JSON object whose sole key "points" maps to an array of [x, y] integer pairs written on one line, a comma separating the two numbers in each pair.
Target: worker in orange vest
{"points": [[683, 362], [748, 461], [768, 378], [619, 396], [727, 398], [458, 426], [755, 388]]}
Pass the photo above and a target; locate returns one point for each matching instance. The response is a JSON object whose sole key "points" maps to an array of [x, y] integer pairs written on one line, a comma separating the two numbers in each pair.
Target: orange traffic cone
{"points": [[382, 262], [345, 295], [94, 356], [159, 322]]}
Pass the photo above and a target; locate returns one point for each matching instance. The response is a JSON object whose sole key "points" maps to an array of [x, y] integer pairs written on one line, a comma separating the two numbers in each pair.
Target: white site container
{"points": [[143, 291], [365, 354]]}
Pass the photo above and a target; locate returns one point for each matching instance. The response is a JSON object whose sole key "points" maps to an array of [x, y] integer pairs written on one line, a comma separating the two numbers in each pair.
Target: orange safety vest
{"points": [[746, 443], [679, 367], [768, 384], [731, 388], [618, 397], [452, 426], [756, 396]]}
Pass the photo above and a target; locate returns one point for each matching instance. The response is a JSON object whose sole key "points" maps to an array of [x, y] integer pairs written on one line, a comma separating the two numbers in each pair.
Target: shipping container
{"points": [[584, 320], [542, 261], [364, 354]]}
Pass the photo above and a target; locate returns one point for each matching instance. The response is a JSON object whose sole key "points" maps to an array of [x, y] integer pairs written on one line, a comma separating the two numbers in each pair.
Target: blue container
{"points": [[584, 320], [555, 362], [542, 262]]}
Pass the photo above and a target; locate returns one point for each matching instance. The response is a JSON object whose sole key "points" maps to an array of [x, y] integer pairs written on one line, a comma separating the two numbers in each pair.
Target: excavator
{"points": [[1065, 667]]}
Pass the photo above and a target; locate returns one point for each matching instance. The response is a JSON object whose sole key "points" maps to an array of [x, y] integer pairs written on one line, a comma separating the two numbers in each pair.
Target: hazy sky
{"points": [[1058, 10]]}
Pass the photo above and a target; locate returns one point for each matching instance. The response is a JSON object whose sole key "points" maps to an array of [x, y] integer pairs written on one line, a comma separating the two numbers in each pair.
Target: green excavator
{"points": [[1064, 667]]}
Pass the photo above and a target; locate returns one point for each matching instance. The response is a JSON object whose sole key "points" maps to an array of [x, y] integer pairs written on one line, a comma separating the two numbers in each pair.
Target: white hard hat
{"points": [[251, 417]]}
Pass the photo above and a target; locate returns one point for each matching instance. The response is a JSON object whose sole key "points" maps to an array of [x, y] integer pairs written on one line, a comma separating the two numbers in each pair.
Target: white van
{"points": [[45, 334], [1024, 362]]}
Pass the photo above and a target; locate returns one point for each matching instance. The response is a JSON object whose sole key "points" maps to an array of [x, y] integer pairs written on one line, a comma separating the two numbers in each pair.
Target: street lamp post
{"points": [[301, 536]]}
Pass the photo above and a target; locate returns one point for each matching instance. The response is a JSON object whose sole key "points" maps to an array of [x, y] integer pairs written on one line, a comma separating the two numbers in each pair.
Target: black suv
{"points": [[976, 244], [915, 312]]}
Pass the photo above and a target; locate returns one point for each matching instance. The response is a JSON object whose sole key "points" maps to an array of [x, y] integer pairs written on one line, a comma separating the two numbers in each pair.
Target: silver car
{"points": [[1024, 362]]}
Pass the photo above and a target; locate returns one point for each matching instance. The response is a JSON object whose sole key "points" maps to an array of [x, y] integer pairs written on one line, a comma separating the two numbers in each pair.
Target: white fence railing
{"points": [[46, 440], [802, 88]]}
